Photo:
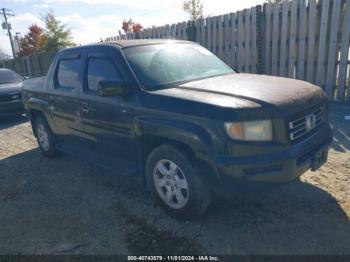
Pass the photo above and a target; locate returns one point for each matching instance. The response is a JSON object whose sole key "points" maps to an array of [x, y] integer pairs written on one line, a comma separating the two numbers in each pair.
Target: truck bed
{"points": [[35, 84]]}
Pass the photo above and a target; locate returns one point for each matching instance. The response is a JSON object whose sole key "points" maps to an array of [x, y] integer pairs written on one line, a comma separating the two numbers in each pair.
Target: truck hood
{"points": [[242, 91], [10, 88]]}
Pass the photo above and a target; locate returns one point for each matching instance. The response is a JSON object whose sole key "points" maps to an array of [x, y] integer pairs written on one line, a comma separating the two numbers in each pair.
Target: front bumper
{"points": [[9, 108], [280, 166]]}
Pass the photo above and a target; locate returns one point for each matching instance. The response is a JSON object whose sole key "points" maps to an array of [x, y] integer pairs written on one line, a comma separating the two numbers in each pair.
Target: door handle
{"points": [[85, 107], [52, 99], [126, 111]]}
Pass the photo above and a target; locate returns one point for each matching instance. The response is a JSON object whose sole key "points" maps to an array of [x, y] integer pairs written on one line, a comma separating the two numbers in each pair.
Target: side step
{"points": [[116, 165]]}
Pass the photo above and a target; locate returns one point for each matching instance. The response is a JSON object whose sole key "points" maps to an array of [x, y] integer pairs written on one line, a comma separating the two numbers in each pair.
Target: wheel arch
{"points": [[183, 138], [33, 115]]}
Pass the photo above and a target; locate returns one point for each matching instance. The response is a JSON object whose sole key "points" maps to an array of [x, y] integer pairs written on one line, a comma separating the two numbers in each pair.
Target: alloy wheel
{"points": [[171, 184], [43, 137]]}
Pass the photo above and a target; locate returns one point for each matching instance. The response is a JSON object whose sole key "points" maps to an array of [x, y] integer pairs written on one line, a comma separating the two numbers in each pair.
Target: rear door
{"points": [[64, 104], [108, 121]]}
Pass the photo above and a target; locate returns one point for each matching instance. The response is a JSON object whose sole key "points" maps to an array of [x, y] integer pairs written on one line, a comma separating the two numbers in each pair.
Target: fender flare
{"points": [[190, 134], [37, 105]]}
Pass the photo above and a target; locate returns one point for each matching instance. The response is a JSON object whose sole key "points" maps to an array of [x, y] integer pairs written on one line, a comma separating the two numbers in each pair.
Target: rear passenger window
{"points": [[67, 74], [101, 69]]}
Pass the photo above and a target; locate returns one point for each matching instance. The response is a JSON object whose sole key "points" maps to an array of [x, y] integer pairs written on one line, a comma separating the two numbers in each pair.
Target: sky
{"points": [[91, 20]]}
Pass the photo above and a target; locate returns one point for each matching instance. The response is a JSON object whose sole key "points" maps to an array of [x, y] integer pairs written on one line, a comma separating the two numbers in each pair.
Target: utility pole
{"points": [[7, 25], [17, 38]]}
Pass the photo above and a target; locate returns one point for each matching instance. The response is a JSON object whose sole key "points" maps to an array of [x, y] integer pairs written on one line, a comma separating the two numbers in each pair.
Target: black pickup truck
{"points": [[178, 116]]}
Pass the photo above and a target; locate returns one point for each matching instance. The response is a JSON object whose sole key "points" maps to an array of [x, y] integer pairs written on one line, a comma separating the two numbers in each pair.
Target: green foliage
{"points": [[194, 8], [57, 36], [3, 55]]}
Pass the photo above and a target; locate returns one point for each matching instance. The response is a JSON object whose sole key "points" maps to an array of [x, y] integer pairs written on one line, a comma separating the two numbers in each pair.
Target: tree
{"points": [[3, 57], [57, 35], [136, 28], [194, 8], [130, 26], [274, 1], [127, 25], [33, 41]]}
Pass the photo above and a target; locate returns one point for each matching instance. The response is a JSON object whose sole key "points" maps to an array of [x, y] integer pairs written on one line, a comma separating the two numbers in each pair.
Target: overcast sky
{"points": [[90, 20]]}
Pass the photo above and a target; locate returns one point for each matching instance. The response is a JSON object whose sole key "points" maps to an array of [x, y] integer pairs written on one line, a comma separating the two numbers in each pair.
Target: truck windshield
{"points": [[8, 76], [164, 65]]}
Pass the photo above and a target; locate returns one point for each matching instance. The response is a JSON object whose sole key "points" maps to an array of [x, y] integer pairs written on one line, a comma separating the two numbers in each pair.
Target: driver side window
{"points": [[101, 70]]}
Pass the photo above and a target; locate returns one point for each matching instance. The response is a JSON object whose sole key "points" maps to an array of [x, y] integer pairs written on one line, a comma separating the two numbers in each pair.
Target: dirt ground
{"points": [[66, 206]]}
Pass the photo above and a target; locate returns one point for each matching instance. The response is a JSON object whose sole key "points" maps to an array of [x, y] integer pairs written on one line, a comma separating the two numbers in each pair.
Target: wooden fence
{"points": [[31, 66], [309, 40], [302, 39]]}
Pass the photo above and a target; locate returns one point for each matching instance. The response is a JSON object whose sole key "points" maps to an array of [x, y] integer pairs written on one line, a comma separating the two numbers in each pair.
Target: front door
{"points": [[108, 121]]}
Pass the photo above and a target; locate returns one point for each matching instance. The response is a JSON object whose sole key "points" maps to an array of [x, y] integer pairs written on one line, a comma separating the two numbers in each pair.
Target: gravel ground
{"points": [[66, 206]]}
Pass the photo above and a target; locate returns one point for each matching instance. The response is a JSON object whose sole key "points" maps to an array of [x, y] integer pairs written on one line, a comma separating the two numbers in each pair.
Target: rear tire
{"points": [[45, 137], [173, 178]]}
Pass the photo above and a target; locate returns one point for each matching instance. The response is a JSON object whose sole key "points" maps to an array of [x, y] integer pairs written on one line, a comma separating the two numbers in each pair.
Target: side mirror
{"points": [[113, 88]]}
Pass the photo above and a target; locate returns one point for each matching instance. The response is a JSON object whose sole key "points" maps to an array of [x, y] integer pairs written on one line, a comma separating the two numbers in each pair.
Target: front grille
{"points": [[10, 97], [300, 127]]}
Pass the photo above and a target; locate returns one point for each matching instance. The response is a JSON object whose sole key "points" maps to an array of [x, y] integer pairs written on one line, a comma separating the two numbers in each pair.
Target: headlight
{"points": [[250, 131]]}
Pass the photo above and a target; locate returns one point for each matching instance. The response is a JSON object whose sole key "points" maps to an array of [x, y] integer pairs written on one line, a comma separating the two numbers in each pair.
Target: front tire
{"points": [[45, 137], [173, 178]]}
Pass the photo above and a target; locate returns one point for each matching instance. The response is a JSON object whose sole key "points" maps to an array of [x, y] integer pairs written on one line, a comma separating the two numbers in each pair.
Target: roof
{"points": [[127, 43], [138, 42]]}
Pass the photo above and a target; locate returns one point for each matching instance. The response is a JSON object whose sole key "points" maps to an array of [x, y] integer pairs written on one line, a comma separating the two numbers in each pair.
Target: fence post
{"points": [[260, 39], [40, 64], [191, 31], [29, 66]]}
